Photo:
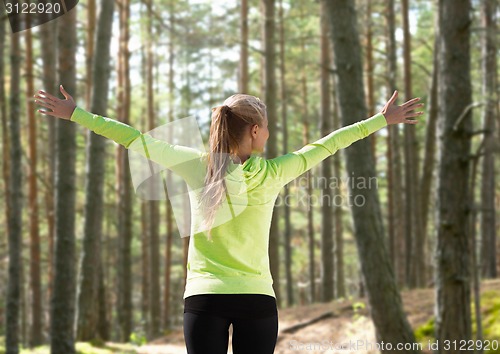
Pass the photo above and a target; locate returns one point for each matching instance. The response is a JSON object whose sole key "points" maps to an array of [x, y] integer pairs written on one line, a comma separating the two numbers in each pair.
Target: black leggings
{"points": [[207, 318]]}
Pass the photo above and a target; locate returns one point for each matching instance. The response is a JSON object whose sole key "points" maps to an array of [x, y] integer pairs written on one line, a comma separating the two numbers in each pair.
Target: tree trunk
{"points": [[48, 33], [307, 175], [414, 249], [383, 295], [145, 266], [91, 17], [454, 129], [167, 313], [243, 79], [369, 73], [327, 260], [15, 204], [271, 148], [490, 75], [63, 296], [3, 117], [36, 337], [124, 185], [394, 174], [154, 245], [430, 151], [475, 274], [92, 232], [5, 138], [286, 206], [338, 213], [103, 325]]}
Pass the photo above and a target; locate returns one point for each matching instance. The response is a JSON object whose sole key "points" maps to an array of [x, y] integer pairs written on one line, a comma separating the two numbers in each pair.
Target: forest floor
{"points": [[346, 329]]}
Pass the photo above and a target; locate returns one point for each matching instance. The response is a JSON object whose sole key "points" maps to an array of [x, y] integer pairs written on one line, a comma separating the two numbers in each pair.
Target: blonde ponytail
{"points": [[229, 123]]}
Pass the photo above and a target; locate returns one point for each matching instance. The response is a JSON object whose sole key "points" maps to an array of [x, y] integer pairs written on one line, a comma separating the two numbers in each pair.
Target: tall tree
{"points": [[243, 77], [475, 274], [386, 306], [370, 94], [63, 296], [454, 129], [5, 136], [15, 213], [124, 184], [338, 214], [327, 260], [286, 206], [428, 166], [145, 264], [414, 245], [394, 174], [94, 181], [271, 149], [305, 140], [3, 117], [36, 335], [167, 313], [91, 19], [490, 77], [48, 44], [154, 237]]}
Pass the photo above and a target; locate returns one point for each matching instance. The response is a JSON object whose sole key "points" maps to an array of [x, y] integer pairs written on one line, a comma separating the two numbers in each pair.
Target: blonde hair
{"points": [[229, 124]]}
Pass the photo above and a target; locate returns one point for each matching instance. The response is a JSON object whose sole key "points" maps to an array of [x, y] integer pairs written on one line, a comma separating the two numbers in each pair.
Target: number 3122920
{"points": [[32, 8]]}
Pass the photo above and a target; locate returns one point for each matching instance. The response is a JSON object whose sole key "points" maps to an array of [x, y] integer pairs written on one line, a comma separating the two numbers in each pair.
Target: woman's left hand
{"points": [[59, 108], [399, 114]]}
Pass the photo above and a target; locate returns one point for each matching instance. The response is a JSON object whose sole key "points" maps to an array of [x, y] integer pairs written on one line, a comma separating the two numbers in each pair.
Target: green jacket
{"points": [[236, 259]]}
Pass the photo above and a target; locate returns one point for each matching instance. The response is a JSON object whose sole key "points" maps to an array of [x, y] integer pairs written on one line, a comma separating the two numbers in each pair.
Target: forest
{"points": [[397, 234]]}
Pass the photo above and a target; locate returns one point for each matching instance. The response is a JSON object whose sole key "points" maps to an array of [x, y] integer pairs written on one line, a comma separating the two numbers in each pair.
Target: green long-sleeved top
{"points": [[236, 259]]}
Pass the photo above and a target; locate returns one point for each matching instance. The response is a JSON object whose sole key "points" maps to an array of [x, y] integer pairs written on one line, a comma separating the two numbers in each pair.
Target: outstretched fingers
{"points": [[393, 98], [413, 114], [65, 94], [49, 96], [47, 113], [44, 101], [411, 102], [47, 101], [411, 121]]}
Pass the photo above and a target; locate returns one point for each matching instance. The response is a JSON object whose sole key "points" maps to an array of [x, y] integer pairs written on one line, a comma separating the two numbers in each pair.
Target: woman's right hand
{"points": [[400, 114], [58, 108]]}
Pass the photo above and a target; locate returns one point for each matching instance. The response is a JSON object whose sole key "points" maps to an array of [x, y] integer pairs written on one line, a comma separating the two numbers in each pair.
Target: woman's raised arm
{"points": [[183, 160], [291, 165]]}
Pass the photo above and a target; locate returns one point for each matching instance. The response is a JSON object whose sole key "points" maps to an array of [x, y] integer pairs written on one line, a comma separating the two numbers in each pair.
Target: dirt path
{"points": [[348, 331], [317, 338]]}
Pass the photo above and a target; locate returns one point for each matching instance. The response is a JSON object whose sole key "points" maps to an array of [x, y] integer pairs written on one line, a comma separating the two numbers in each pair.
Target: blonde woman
{"points": [[228, 275]]}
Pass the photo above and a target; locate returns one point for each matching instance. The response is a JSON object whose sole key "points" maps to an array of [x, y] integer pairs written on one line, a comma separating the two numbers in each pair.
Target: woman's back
{"points": [[236, 259]]}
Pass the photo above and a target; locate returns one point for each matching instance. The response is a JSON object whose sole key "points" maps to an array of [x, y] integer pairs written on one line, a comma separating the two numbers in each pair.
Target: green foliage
{"points": [[82, 348], [490, 304], [425, 331], [357, 306], [138, 338]]}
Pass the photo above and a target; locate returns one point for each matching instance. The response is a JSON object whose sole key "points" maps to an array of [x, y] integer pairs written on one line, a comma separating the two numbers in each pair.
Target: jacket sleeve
{"points": [[293, 164], [182, 160]]}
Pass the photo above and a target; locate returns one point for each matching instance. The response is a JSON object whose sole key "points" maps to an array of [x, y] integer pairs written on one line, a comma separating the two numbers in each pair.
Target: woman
{"points": [[229, 281]]}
